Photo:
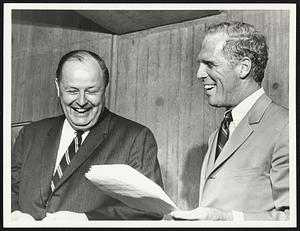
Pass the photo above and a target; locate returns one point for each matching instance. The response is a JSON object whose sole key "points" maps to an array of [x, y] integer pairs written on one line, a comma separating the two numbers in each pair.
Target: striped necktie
{"points": [[223, 132], [66, 159]]}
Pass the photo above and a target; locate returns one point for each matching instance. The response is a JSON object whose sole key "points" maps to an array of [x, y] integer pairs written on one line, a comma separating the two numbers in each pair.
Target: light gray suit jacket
{"points": [[252, 172]]}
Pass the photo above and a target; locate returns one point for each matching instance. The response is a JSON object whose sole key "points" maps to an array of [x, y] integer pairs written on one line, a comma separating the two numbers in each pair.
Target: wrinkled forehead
{"points": [[212, 44]]}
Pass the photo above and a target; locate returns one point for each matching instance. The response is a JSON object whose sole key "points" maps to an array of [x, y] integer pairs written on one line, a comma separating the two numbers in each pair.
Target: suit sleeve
{"points": [[143, 157], [16, 164], [279, 176]]}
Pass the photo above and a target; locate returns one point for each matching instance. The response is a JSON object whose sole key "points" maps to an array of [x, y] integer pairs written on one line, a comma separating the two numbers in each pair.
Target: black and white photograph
{"points": [[149, 115]]}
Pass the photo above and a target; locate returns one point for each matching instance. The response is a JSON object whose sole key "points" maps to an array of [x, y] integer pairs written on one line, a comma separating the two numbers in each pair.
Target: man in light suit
{"points": [[245, 173], [40, 149]]}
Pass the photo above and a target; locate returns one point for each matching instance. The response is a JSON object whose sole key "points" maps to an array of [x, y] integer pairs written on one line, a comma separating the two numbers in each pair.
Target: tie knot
{"points": [[228, 117], [79, 133]]}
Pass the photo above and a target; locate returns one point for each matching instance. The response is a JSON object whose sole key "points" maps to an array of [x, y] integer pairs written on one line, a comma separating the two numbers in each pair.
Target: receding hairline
{"points": [[83, 56], [85, 60]]}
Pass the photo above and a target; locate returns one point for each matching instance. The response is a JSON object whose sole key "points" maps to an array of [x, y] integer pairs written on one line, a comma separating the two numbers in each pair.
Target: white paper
{"points": [[131, 187]]}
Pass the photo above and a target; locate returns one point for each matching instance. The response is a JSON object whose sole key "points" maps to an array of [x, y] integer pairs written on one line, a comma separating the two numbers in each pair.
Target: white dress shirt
{"points": [[67, 135], [239, 111]]}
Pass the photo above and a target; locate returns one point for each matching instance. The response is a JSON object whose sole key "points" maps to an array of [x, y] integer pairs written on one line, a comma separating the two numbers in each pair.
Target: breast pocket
{"points": [[248, 177], [247, 172]]}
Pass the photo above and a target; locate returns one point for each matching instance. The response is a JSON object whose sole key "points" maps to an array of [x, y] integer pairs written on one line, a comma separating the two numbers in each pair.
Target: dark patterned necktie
{"points": [[223, 132], [66, 159]]}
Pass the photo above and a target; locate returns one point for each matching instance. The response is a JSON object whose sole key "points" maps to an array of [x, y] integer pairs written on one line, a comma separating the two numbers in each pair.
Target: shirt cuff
{"points": [[237, 215]]}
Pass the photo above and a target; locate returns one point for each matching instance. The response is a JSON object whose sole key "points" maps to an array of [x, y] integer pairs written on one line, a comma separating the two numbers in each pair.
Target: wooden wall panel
{"points": [[36, 51], [155, 84]]}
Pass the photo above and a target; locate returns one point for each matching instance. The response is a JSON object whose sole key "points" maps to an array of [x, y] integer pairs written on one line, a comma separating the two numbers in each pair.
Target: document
{"points": [[131, 187]]}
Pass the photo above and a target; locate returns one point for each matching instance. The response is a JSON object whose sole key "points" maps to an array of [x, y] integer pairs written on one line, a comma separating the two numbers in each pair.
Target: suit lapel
{"points": [[241, 133], [48, 157], [207, 165], [212, 153], [238, 137], [92, 141]]}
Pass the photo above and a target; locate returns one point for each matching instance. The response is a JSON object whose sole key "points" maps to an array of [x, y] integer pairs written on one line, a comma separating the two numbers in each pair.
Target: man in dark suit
{"points": [[245, 173], [49, 182]]}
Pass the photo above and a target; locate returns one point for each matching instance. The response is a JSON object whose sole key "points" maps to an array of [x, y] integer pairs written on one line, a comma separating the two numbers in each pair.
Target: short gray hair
{"points": [[243, 41]]}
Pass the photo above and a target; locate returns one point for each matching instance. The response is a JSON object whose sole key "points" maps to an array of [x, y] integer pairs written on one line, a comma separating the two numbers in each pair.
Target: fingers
{"points": [[19, 216], [65, 215], [196, 214]]}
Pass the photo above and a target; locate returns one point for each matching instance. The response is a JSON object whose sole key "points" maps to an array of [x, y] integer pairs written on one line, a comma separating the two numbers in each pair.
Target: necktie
{"points": [[223, 132], [66, 159]]}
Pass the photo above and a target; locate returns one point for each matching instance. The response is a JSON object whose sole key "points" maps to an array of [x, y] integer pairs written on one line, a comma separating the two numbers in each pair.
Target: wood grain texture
{"points": [[153, 81], [137, 20], [36, 51], [156, 85]]}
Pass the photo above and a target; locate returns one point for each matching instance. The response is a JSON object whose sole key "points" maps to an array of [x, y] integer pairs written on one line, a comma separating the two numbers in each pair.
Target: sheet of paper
{"points": [[131, 187]]}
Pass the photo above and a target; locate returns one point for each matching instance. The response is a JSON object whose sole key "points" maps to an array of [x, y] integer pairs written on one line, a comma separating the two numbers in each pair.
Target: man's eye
{"points": [[210, 65], [92, 92], [72, 91]]}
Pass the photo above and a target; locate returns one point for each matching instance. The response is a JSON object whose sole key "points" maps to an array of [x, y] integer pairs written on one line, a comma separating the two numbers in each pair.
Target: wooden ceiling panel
{"points": [[108, 21], [125, 21]]}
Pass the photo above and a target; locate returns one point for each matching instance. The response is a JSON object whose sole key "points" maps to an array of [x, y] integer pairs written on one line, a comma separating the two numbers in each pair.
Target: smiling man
{"points": [[51, 156], [245, 173]]}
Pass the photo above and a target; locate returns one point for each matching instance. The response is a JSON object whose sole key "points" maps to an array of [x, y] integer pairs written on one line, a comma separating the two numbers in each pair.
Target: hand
{"points": [[19, 216], [203, 213], [65, 215]]}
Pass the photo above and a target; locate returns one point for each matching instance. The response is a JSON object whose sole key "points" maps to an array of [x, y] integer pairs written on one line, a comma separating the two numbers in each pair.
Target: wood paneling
{"points": [[153, 81], [155, 84], [56, 18], [36, 50]]}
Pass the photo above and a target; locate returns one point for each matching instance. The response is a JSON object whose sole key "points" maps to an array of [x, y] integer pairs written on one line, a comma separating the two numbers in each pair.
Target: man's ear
{"points": [[107, 89], [245, 67], [57, 86]]}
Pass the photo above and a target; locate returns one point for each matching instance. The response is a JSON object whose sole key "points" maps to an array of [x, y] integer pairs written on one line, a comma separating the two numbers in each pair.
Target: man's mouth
{"points": [[81, 110], [208, 87]]}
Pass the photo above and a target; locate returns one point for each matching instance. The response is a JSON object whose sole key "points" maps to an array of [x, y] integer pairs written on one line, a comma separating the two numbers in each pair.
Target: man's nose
{"points": [[81, 100], [201, 73]]}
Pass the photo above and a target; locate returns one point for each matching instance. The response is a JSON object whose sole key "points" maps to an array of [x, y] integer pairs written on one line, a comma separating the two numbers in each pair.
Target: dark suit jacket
{"points": [[113, 140], [252, 172]]}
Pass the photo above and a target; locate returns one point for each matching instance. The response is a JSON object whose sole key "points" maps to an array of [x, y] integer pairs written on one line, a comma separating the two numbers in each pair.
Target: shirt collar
{"points": [[239, 112], [67, 128]]}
